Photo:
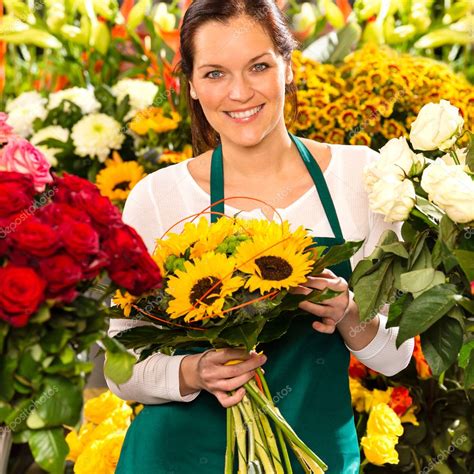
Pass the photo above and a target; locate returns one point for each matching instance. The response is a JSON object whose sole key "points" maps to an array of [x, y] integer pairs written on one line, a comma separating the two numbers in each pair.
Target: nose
{"points": [[240, 89]]}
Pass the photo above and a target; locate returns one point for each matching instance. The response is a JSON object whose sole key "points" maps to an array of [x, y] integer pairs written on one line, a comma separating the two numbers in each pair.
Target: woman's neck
{"points": [[268, 158]]}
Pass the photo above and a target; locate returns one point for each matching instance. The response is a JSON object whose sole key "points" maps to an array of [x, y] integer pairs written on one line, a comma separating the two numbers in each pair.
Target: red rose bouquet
{"points": [[59, 238]]}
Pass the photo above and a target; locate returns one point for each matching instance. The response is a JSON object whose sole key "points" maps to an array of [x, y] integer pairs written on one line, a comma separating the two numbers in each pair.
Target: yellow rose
{"points": [[358, 394], [383, 421], [375, 397], [380, 449], [111, 447], [75, 445], [100, 408], [92, 461]]}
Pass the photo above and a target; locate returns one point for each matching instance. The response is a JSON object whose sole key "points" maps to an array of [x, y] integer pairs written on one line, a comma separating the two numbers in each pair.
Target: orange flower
{"points": [[357, 370], [422, 367], [400, 400]]}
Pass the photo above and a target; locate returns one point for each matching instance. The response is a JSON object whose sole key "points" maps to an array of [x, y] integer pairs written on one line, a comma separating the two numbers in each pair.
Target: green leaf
{"points": [[4, 328], [467, 304], [49, 449], [419, 281], [425, 310], [448, 232], [443, 37], [397, 248], [8, 364], [335, 255], [246, 335], [363, 268], [465, 353], [466, 262], [318, 296], [118, 366], [55, 340], [470, 152], [41, 316], [441, 344], [396, 310], [372, 291], [469, 372], [59, 403], [5, 410]]}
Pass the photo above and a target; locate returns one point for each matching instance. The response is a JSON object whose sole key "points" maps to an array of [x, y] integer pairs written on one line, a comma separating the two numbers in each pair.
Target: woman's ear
{"points": [[192, 91]]}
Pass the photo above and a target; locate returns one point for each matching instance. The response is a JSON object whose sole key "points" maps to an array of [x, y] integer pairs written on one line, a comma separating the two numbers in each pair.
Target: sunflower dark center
{"points": [[274, 268], [202, 287], [123, 185]]}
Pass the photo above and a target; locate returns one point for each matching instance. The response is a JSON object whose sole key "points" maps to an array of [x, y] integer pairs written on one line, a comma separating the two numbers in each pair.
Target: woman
{"points": [[236, 56]]}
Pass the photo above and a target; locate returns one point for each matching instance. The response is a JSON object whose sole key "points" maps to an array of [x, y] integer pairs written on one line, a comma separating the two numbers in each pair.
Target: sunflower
{"points": [[124, 301], [201, 290], [118, 178], [274, 261], [172, 157], [216, 234]]}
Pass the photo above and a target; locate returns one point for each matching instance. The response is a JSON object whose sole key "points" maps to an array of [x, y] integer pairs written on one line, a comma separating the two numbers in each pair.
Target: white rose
{"points": [[24, 110], [461, 153], [436, 126], [396, 158], [451, 189], [392, 197]]}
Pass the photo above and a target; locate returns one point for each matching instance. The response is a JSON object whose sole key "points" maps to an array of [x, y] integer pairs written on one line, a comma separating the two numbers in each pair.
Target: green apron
{"points": [[307, 373]]}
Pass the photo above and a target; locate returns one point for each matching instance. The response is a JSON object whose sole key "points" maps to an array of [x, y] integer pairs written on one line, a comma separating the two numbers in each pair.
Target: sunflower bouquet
{"points": [[226, 284]]}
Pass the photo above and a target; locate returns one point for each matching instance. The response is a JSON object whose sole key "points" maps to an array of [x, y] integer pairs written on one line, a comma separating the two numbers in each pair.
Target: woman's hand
{"points": [[331, 311], [208, 371]]}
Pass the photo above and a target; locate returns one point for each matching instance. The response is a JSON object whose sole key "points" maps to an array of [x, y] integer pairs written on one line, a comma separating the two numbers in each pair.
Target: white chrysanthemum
{"points": [[141, 94], [52, 132], [83, 98], [24, 110], [96, 135]]}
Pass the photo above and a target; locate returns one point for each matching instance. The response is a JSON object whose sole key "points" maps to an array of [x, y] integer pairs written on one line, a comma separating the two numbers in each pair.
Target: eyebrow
{"points": [[219, 65]]}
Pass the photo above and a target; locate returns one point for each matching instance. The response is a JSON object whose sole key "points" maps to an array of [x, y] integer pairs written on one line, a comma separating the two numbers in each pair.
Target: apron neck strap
{"points": [[217, 185]]}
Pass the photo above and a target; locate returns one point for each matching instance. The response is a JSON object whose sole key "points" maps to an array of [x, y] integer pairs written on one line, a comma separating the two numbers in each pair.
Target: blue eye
{"points": [[208, 75], [259, 68]]}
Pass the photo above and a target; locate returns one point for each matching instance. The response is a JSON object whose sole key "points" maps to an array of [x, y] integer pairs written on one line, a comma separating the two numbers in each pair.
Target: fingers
{"points": [[222, 356], [229, 400], [322, 310], [327, 326], [229, 385]]}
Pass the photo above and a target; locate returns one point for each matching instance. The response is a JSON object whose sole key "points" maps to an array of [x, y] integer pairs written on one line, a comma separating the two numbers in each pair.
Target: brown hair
{"points": [[264, 12]]}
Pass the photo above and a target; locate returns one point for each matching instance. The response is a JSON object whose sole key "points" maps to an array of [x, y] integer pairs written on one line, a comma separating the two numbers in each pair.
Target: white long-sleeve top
{"points": [[169, 195]]}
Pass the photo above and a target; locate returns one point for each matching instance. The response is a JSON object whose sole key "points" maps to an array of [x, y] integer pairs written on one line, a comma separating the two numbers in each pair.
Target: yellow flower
{"points": [[358, 394], [336, 136], [274, 263], [154, 119], [380, 449], [124, 301], [360, 138], [173, 157], [100, 408], [383, 421], [348, 119], [118, 178], [377, 396], [393, 129], [409, 416], [75, 445], [216, 234], [201, 290]]}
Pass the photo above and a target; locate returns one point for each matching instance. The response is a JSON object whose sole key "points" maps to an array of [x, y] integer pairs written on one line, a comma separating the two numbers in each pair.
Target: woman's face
{"points": [[239, 79]]}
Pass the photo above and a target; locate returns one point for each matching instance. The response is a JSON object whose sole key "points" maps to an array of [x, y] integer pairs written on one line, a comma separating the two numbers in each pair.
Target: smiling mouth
{"points": [[247, 114]]}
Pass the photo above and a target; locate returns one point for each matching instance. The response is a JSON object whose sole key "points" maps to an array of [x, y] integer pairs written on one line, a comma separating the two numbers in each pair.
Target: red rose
{"points": [[70, 185], [139, 278], [400, 400], [36, 238], [21, 294], [16, 193], [80, 239], [124, 247], [55, 214], [102, 212], [62, 273], [91, 267], [3, 246]]}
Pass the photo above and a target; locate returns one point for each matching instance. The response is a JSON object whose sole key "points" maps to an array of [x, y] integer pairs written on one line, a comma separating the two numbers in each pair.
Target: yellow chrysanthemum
{"points": [[213, 274], [360, 138], [118, 178], [124, 301], [272, 262], [154, 119]]}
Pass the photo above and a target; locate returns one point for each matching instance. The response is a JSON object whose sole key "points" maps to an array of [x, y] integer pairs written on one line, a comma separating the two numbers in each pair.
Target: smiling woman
{"points": [[237, 72]]}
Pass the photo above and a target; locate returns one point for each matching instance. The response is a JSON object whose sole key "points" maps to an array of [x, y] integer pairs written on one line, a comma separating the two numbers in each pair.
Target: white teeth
{"points": [[247, 114]]}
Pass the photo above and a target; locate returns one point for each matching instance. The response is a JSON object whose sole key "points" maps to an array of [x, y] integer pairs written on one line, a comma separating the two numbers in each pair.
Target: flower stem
{"points": [[250, 429], [455, 156], [229, 454], [278, 419], [241, 440]]}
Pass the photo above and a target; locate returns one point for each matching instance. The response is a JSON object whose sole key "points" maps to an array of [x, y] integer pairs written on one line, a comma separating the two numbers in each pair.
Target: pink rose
{"points": [[21, 156], [5, 130]]}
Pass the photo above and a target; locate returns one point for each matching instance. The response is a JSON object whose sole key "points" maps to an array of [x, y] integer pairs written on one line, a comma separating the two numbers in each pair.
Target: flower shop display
{"points": [[374, 95], [426, 277], [59, 238], [226, 285]]}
